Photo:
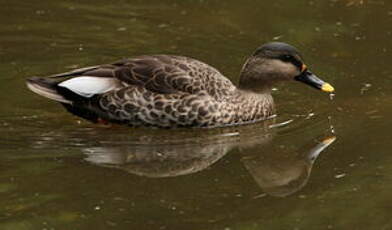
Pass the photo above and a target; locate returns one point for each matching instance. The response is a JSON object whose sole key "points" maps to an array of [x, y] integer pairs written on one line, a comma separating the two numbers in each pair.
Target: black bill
{"points": [[309, 78]]}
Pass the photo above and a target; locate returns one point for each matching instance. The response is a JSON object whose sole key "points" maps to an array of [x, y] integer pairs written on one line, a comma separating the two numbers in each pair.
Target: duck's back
{"points": [[172, 74]]}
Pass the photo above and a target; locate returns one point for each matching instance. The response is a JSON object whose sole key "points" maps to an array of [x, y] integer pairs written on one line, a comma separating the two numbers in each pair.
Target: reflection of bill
{"points": [[281, 176]]}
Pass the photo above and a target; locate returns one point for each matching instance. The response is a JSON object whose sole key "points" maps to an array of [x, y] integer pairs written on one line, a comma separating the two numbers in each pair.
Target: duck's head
{"points": [[277, 61]]}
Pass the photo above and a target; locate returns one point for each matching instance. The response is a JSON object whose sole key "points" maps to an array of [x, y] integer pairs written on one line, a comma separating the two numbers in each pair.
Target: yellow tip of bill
{"points": [[326, 87], [329, 140]]}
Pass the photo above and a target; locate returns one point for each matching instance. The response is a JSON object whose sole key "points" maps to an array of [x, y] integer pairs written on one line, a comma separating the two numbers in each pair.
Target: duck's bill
{"points": [[309, 78]]}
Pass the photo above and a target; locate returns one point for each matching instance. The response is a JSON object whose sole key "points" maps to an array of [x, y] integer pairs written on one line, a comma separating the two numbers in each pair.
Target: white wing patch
{"points": [[88, 86]]}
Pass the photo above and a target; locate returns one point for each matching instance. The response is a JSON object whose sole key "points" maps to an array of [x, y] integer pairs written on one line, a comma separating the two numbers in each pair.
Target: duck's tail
{"points": [[46, 87], [51, 88]]}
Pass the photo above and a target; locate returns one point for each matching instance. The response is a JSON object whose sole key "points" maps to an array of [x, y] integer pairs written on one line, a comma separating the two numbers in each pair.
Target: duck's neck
{"points": [[259, 85], [252, 106]]}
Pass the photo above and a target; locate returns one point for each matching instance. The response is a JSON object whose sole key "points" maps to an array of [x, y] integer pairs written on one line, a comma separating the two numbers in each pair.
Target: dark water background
{"points": [[58, 172]]}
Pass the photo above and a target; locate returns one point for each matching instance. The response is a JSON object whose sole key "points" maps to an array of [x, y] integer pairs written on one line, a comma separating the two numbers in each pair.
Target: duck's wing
{"points": [[168, 74], [171, 74], [157, 73], [162, 74]]}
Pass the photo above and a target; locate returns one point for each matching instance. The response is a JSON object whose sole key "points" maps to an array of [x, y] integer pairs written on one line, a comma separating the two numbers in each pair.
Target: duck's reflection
{"points": [[278, 172], [170, 156], [158, 160]]}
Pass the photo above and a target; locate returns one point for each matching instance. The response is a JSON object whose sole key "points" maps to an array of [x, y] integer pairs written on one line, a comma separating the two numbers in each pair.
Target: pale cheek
{"points": [[283, 69]]}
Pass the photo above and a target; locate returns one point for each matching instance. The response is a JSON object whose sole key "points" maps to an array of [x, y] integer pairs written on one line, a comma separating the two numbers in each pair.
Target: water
{"points": [[320, 164]]}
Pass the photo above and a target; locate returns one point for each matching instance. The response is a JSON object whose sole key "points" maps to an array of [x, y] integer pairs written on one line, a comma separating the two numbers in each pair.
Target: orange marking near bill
{"points": [[303, 67]]}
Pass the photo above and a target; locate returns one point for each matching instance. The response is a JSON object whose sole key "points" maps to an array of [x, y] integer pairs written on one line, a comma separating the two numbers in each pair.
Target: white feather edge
{"points": [[46, 92], [87, 86]]}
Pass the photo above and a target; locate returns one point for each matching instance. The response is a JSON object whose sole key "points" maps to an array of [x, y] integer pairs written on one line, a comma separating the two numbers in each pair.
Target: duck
{"points": [[169, 91]]}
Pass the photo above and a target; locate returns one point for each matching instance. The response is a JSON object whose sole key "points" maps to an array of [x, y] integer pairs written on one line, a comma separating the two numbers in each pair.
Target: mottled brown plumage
{"points": [[172, 91]]}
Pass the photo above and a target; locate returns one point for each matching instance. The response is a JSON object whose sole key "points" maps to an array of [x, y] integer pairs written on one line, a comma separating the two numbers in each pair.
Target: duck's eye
{"points": [[286, 58]]}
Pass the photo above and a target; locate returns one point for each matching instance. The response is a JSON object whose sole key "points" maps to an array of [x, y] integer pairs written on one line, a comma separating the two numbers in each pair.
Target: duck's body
{"points": [[164, 91]]}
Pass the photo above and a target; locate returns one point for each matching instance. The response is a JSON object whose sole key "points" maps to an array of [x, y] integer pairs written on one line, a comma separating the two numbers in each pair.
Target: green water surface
{"points": [[321, 164]]}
